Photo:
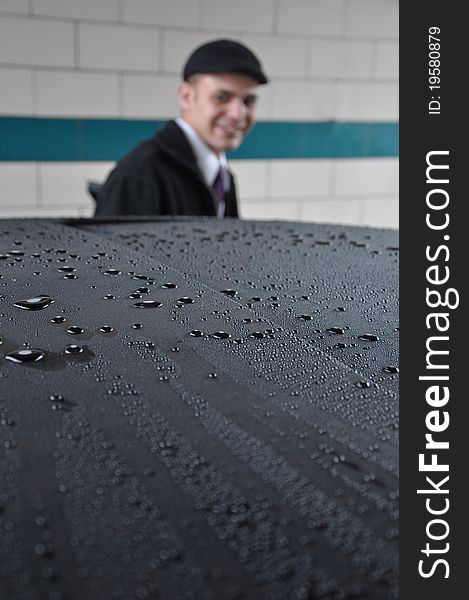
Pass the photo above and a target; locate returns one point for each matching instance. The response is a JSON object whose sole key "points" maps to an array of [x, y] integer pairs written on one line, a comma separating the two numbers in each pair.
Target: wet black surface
{"points": [[214, 416]]}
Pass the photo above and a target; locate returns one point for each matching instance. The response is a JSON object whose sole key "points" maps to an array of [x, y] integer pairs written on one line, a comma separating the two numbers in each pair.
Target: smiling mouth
{"points": [[231, 130]]}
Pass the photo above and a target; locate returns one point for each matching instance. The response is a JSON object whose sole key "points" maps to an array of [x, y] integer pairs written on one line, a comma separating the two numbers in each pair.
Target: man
{"points": [[182, 170]]}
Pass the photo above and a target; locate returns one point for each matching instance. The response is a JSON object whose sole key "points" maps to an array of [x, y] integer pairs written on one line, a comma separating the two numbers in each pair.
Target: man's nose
{"points": [[237, 109]]}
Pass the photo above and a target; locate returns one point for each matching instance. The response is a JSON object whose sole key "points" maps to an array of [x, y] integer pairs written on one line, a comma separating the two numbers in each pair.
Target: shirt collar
{"points": [[207, 161]]}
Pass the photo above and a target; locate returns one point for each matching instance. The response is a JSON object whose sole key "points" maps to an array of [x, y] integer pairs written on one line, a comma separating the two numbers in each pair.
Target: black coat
{"points": [[161, 177]]}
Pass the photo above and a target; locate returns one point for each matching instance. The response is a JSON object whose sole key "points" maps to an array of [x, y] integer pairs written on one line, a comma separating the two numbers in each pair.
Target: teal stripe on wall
{"points": [[45, 139]]}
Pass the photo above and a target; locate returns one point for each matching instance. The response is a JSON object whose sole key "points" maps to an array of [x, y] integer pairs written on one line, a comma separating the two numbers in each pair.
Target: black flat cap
{"points": [[224, 56]]}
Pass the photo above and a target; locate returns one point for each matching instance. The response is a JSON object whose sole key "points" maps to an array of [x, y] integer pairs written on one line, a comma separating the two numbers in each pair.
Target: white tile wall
{"points": [[240, 16], [36, 42], [275, 54], [270, 210], [150, 96], [381, 212], [76, 93], [370, 176], [119, 47], [372, 18], [387, 60], [16, 97], [105, 10], [64, 184], [331, 210], [31, 212], [341, 59], [176, 13], [290, 178], [18, 184], [304, 101], [311, 17], [14, 6], [368, 102], [251, 178]]}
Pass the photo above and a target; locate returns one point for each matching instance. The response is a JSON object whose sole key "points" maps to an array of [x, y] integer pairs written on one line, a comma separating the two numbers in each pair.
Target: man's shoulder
{"points": [[169, 142]]}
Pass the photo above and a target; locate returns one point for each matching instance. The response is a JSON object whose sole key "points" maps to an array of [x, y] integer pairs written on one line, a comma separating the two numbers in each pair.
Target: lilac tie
{"points": [[219, 189]]}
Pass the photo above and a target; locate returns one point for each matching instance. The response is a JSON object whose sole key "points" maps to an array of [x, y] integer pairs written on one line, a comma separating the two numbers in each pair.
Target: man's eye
{"points": [[251, 101], [222, 97]]}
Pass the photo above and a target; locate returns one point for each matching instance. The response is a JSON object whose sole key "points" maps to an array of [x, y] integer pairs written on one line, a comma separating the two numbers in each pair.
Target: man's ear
{"points": [[186, 94]]}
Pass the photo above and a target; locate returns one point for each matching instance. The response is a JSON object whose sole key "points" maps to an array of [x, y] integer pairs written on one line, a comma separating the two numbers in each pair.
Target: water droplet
{"points": [[196, 333], [185, 300], [37, 303], [25, 356], [137, 326], [169, 286], [306, 317], [74, 330], [73, 349], [257, 334], [212, 375], [112, 272], [256, 299], [142, 290], [66, 269], [336, 330], [363, 384], [70, 276], [391, 369], [106, 329], [369, 337], [58, 319], [340, 345], [148, 304], [109, 297], [221, 335], [229, 292], [135, 296]]}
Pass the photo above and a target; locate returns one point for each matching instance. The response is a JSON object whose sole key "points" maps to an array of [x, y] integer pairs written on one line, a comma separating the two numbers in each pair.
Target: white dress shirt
{"points": [[208, 162]]}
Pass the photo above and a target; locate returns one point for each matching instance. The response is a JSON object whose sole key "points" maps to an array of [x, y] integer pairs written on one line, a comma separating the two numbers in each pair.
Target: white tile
{"points": [[280, 56], [178, 45], [310, 17], [77, 94], [30, 212], [17, 184], [119, 47], [64, 184], [373, 18], [178, 13], [307, 178], [16, 92], [250, 178], [14, 6], [304, 100], [387, 60], [242, 15], [271, 210], [366, 176], [381, 212], [263, 108], [103, 10], [330, 210], [36, 42], [368, 102], [340, 59], [146, 96]]}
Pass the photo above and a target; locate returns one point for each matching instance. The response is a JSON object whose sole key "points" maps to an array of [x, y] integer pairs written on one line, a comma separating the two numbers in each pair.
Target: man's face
{"points": [[220, 108]]}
